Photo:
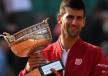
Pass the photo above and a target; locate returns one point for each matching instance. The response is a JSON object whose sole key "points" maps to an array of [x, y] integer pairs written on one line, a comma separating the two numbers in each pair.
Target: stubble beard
{"points": [[71, 34]]}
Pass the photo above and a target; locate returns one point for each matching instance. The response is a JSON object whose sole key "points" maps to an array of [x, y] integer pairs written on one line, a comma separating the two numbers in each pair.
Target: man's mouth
{"points": [[74, 28]]}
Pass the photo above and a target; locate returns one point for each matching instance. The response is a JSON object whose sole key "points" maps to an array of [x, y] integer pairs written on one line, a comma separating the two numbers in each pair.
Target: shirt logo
{"points": [[78, 61]]}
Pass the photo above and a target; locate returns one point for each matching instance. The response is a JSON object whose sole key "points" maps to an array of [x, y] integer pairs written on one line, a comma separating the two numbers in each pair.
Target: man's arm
{"points": [[100, 64], [22, 73]]}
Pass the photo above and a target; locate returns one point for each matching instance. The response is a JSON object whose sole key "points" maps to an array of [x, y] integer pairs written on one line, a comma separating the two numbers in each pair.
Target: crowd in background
{"points": [[16, 15]]}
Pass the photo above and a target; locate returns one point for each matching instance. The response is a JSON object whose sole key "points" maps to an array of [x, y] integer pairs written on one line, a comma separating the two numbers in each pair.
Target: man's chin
{"points": [[74, 35]]}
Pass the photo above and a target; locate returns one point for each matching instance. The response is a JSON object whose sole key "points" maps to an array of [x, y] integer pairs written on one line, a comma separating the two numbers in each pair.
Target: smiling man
{"points": [[79, 57]]}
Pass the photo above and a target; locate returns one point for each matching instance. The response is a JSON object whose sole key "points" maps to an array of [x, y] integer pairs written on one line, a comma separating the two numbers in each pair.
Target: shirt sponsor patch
{"points": [[78, 61]]}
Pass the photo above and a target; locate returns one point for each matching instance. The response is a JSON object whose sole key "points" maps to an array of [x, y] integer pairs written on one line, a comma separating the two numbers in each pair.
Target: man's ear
{"points": [[59, 18], [84, 21]]}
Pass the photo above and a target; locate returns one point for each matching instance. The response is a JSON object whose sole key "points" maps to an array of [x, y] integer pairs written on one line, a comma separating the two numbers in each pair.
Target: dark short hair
{"points": [[74, 4]]}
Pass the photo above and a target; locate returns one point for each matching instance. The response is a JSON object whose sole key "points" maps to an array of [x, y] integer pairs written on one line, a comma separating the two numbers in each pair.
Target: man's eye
{"points": [[80, 18], [70, 17]]}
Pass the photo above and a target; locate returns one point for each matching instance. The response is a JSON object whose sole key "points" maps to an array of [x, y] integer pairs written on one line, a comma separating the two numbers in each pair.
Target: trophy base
{"points": [[45, 69], [34, 72]]}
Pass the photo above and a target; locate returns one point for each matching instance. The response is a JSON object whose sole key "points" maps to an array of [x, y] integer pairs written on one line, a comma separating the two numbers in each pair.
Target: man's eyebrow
{"points": [[70, 16], [81, 16], [74, 16]]}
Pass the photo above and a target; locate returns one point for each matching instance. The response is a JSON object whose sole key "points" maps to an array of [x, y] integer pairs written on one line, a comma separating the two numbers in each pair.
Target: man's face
{"points": [[71, 22]]}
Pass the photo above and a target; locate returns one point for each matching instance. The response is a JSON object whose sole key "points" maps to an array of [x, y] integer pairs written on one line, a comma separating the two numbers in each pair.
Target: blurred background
{"points": [[16, 15]]}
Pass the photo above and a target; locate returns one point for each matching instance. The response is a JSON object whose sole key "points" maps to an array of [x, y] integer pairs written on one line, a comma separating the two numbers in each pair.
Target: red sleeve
{"points": [[107, 72], [100, 64], [22, 73]]}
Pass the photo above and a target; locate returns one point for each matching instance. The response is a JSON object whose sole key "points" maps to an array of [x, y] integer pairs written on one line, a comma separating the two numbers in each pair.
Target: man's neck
{"points": [[68, 42]]}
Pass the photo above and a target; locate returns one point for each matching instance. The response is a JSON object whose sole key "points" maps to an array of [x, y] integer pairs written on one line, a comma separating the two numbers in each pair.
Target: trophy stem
{"points": [[39, 53]]}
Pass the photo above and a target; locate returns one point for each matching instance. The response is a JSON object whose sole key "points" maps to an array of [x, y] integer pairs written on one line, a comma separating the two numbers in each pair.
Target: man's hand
{"points": [[55, 72], [34, 61]]}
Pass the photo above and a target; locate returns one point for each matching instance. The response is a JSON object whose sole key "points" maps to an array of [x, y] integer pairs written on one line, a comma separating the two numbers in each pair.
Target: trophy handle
{"points": [[9, 38]]}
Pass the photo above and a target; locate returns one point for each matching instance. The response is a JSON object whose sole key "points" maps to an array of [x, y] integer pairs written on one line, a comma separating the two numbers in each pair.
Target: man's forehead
{"points": [[74, 12]]}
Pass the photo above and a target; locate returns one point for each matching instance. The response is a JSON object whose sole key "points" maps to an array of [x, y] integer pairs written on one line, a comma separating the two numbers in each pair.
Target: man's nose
{"points": [[74, 21]]}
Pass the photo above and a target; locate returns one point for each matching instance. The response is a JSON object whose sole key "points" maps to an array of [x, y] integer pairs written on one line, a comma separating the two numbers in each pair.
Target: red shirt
{"points": [[83, 59]]}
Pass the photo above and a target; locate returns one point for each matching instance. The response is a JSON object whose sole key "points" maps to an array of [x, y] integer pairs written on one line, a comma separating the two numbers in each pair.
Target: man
{"points": [[80, 58]]}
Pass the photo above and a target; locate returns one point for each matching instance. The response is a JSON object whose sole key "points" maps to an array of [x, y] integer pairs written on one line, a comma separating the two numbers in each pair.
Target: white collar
{"points": [[63, 50]]}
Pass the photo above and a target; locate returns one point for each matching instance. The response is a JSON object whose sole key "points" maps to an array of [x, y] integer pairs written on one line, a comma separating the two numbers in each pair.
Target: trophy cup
{"points": [[31, 40]]}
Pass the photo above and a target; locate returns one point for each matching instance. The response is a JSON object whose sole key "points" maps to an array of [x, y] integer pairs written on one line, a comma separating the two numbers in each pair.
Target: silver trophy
{"points": [[32, 40]]}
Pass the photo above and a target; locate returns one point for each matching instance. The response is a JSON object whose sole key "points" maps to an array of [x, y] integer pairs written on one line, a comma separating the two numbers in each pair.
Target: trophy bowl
{"points": [[30, 40]]}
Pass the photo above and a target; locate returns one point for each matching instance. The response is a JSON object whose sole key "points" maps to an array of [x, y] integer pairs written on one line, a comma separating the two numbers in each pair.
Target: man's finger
{"points": [[55, 72]]}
